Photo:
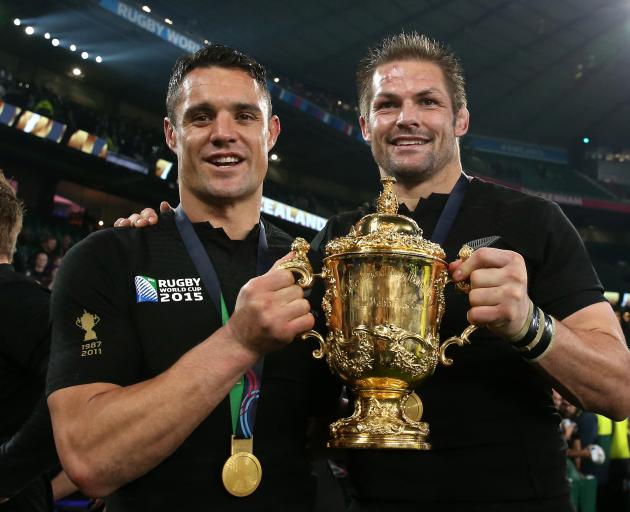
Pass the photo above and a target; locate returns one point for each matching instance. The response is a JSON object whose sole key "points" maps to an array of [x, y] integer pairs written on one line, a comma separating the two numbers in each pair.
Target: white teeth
{"points": [[223, 160], [410, 143]]}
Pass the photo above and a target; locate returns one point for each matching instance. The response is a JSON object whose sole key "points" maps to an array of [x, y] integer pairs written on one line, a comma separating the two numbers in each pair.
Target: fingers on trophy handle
{"points": [[461, 340], [300, 264], [320, 352], [464, 253]]}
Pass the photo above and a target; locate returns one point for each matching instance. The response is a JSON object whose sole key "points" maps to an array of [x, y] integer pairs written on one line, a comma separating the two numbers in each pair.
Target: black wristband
{"points": [[544, 342], [531, 331]]}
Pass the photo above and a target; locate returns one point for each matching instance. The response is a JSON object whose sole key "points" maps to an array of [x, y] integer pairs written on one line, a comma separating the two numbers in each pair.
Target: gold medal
{"points": [[242, 472], [413, 407]]}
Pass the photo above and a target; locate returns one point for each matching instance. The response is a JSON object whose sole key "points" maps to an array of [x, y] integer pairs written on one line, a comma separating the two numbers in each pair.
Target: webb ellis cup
{"points": [[383, 303]]}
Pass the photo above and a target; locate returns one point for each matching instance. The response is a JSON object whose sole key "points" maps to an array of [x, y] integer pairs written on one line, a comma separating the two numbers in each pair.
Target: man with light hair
{"points": [[27, 449], [494, 431]]}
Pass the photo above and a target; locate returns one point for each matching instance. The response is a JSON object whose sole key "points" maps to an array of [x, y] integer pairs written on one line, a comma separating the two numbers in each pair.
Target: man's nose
{"points": [[223, 129], [409, 116]]}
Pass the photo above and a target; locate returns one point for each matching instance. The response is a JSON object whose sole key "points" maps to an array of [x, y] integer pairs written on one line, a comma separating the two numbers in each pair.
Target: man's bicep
{"points": [[596, 318]]}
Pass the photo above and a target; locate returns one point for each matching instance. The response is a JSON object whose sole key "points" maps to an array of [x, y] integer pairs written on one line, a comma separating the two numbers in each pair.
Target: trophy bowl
{"points": [[383, 303]]}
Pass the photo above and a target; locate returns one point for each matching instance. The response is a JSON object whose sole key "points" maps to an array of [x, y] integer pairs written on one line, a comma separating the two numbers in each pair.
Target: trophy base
{"points": [[379, 421]]}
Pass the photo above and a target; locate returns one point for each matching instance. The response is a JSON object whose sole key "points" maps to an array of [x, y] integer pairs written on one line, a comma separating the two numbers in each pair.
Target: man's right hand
{"points": [[147, 217], [270, 311]]}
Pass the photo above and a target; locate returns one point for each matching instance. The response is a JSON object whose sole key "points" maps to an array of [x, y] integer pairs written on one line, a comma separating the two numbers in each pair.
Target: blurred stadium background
{"points": [[82, 87]]}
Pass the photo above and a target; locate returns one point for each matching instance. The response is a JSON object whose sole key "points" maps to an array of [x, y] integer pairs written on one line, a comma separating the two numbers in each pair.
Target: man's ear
{"points": [[170, 134], [365, 129], [273, 132], [462, 120]]}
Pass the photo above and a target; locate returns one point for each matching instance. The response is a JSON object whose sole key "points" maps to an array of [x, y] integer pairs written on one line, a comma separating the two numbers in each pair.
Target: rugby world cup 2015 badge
{"points": [[185, 289]]}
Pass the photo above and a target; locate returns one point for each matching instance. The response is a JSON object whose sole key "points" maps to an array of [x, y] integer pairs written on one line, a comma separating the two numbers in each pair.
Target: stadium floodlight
{"points": [[586, 140], [205, 41], [73, 47], [168, 21], [101, 223], [84, 55], [47, 35], [276, 80], [76, 71], [99, 59], [274, 157], [146, 8], [55, 42], [29, 31], [17, 22]]}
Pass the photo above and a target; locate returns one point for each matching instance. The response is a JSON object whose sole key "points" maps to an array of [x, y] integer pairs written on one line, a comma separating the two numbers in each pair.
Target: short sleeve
{"points": [[93, 338], [563, 280]]}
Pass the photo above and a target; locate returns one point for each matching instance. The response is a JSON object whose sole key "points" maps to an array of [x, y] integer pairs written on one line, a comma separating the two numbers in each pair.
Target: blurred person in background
{"points": [[38, 268], [27, 450]]}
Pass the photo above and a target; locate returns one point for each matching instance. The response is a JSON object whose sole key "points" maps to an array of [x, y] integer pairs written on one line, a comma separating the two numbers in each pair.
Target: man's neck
{"points": [[4, 260], [441, 183], [237, 218]]}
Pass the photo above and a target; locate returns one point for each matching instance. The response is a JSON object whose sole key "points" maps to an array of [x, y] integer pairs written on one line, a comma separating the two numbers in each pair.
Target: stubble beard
{"points": [[405, 173], [413, 174]]}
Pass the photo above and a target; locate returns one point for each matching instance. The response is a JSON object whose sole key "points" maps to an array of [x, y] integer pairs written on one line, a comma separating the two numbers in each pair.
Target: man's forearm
{"points": [[106, 439], [590, 364]]}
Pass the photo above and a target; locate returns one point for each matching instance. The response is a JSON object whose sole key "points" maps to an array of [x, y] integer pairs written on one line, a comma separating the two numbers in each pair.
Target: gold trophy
{"points": [[383, 303]]}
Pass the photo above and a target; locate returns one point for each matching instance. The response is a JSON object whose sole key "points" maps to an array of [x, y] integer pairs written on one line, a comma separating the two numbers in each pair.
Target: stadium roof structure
{"points": [[547, 72]]}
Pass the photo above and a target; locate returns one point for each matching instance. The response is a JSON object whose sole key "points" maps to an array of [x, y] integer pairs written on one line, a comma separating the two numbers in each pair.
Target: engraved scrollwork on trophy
{"points": [[389, 240], [382, 418], [438, 290], [350, 357], [395, 354], [387, 202]]}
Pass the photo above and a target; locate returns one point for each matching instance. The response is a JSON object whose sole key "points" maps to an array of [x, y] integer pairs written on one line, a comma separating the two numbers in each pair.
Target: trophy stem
{"points": [[379, 420]]}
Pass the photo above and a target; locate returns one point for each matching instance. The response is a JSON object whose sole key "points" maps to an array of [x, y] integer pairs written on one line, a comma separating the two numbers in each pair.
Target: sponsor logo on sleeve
{"points": [[185, 289]]}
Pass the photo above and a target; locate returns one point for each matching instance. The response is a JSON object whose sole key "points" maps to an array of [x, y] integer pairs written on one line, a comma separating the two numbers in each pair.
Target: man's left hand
{"points": [[498, 296]]}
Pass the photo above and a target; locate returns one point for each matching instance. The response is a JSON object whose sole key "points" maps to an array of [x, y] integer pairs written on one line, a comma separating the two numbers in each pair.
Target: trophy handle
{"points": [[299, 264], [463, 287], [457, 340], [464, 253], [320, 352]]}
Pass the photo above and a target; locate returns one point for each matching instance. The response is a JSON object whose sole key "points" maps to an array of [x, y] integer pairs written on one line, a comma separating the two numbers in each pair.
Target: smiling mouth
{"points": [[225, 161], [407, 142]]}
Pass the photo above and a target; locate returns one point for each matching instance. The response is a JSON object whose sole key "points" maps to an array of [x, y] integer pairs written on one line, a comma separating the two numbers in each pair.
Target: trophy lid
{"points": [[385, 231]]}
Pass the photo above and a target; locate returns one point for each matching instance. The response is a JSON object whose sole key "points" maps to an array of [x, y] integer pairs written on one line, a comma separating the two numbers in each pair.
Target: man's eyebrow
{"points": [[198, 107], [423, 92], [250, 107]]}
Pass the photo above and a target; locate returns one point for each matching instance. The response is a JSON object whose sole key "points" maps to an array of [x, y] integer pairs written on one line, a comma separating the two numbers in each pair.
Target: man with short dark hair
{"points": [[173, 384], [493, 427]]}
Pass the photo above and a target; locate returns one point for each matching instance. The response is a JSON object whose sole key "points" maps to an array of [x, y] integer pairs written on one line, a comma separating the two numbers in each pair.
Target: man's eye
{"points": [[245, 116], [428, 101], [201, 118], [385, 105]]}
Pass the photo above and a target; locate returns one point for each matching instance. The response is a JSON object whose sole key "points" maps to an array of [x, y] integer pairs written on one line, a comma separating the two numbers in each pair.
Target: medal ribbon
{"points": [[245, 393], [450, 211]]}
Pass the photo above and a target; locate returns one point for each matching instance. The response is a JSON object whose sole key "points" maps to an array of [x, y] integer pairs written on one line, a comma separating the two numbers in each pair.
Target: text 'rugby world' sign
{"points": [[150, 24]]}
